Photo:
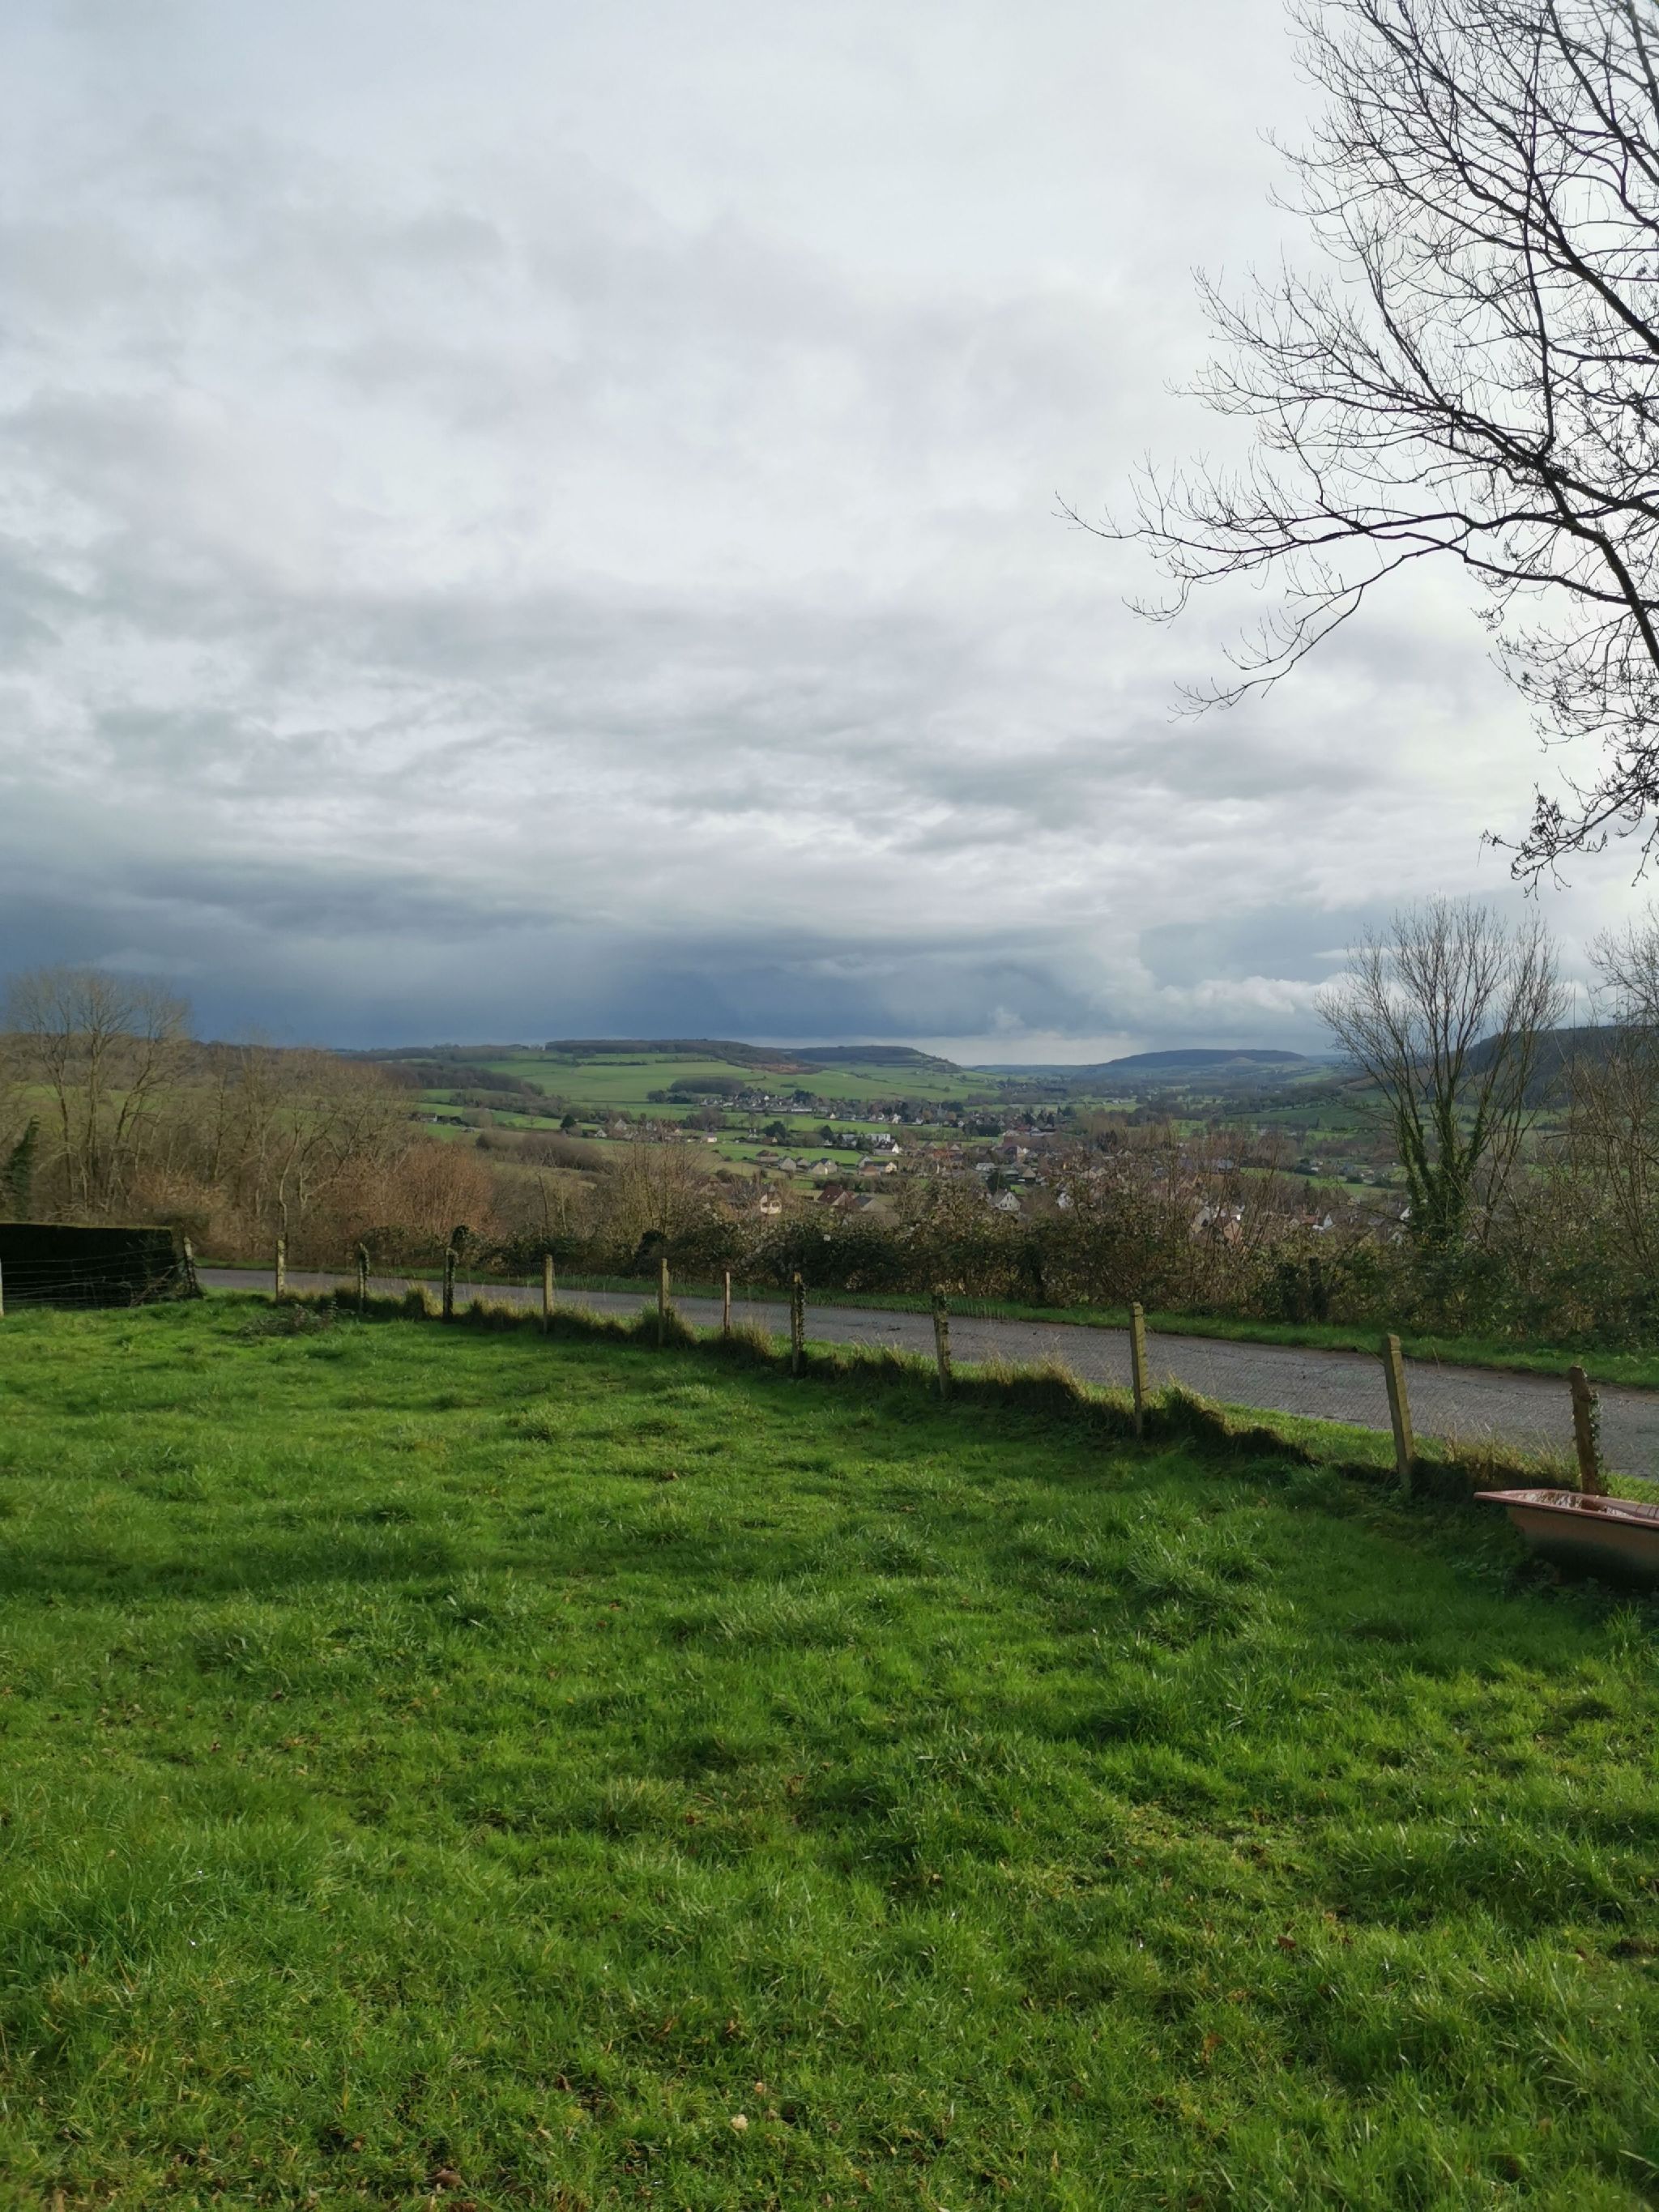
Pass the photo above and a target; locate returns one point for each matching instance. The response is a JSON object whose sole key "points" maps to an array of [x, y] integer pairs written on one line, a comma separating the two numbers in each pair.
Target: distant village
{"points": [[775, 1149]]}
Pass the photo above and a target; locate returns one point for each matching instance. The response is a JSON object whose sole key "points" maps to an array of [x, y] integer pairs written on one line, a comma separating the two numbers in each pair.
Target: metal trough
{"points": [[1612, 1536]]}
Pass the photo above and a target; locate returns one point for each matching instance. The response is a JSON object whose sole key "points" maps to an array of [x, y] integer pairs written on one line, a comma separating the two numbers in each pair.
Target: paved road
{"points": [[1530, 1411]]}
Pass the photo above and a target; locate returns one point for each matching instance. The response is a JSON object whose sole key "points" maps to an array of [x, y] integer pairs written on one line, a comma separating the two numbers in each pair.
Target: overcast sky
{"points": [[523, 519]]}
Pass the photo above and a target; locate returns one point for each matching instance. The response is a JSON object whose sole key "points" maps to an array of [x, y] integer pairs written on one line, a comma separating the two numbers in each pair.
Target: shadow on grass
{"points": [[258, 1570]]}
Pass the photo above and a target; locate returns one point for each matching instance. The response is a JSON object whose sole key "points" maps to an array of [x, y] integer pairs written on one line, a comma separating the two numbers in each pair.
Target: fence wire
{"points": [[90, 1282], [1468, 1405]]}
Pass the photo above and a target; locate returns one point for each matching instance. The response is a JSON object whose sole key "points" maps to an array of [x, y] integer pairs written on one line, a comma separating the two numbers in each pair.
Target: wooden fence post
{"points": [[1138, 1365], [1399, 1415], [942, 1342], [279, 1271], [2, 1294], [662, 1303], [726, 1304], [1587, 1433], [547, 1293], [797, 1323], [362, 1279], [449, 1282]]}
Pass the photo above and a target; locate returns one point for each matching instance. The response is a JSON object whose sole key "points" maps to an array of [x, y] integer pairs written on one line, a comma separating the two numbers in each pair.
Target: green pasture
{"points": [[614, 1083], [619, 1082], [444, 1765]]}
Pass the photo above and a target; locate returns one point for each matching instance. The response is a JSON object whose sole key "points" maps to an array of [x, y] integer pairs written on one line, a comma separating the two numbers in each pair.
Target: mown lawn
{"points": [[440, 1765]]}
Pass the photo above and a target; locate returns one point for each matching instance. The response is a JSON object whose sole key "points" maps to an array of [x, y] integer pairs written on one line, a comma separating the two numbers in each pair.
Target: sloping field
{"points": [[628, 1080], [443, 1764]]}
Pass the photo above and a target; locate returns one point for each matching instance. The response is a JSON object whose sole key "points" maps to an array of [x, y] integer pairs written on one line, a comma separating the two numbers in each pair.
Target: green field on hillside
{"points": [[445, 1765], [620, 1081]]}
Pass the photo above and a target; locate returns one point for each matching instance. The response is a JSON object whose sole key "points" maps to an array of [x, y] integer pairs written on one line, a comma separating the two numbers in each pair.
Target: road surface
{"points": [[1531, 1412]]}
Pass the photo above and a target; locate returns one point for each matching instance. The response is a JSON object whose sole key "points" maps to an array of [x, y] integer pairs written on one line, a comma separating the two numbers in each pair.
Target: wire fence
{"points": [[1461, 1405], [753, 1291], [1350, 1388], [1015, 1352], [90, 1282]]}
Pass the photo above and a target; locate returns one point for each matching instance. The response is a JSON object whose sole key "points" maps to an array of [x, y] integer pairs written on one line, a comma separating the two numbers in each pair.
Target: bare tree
{"points": [[1477, 378], [332, 1115], [656, 1192], [1446, 1013], [20, 1131], [102, 1047], [280, 1128], [1612, 1135], [1628, 962]]}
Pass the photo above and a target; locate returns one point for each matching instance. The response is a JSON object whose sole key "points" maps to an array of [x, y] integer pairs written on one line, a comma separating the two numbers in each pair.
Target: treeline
{"points": [[464, 1077], [1161, 1219], [111, 1110], [1569, 1252]]}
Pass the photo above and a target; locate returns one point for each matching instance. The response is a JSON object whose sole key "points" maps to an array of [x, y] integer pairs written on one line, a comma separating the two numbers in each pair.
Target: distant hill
{"points": [[1192, 1059], [1558, 1050], [798, 1057], [1184, 1065], [435, 1052], [771, 1059], [741, 1055], [866, 1055]]}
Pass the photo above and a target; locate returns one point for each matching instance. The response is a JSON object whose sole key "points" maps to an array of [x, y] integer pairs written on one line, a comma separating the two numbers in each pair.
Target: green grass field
{"points": [[447, 1765], [627, 1081]]}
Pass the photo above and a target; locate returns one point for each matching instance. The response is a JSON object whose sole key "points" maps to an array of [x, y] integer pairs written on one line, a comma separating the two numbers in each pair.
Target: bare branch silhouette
{"points": [[1475, 377]]}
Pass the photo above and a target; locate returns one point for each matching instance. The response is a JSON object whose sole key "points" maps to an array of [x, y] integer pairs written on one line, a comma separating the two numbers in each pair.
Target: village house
{"points": [[1226, 1222]]}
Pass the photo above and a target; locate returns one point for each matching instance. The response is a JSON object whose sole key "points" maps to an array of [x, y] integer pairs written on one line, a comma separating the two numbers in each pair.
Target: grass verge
{"points": [[1633, 1369], [441, 1762]]}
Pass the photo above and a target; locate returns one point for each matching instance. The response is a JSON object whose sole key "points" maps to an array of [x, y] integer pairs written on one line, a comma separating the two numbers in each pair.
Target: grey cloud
{"points": [[476, 557], [1185, 954]]}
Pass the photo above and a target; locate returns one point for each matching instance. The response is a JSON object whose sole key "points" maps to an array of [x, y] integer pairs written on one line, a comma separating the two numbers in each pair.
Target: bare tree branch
{"points": [[1476, 378]]}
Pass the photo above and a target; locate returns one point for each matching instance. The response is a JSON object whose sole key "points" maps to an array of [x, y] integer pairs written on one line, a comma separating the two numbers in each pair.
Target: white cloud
{"points": [[531, 519]]}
